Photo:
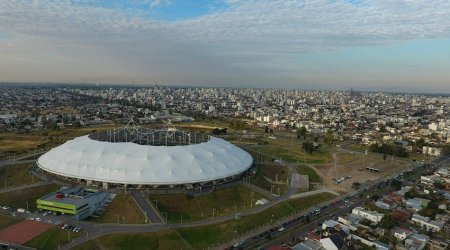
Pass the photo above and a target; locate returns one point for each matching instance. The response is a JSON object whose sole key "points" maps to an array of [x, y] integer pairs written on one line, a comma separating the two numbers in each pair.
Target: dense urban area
{"points": [[333, 169]]}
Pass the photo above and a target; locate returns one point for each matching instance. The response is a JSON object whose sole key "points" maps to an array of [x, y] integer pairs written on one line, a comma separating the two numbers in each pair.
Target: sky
{"points": [[387, 45]]}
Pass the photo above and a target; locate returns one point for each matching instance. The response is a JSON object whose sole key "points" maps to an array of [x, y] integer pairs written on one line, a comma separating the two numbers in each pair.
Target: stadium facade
{"points": [[137, 157]]}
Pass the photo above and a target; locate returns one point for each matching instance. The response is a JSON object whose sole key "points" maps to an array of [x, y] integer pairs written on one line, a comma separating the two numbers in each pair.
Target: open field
{"points": [[52, 239], [89, 245], [19, 199], [305, 170], [274, 172], [15, 175], [225, 201], [158, 240], [123, 209], [355, 166], [6, 221], [207, 236], [15, 144], [10, 147]]}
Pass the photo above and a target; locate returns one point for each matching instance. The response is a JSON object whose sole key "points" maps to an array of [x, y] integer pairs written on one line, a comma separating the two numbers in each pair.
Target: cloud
{"points": [[245, 37]]}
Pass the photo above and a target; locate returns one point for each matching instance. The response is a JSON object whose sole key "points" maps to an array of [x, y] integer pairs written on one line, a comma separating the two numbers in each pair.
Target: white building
{"points": [[426, 223], [370, 215]]}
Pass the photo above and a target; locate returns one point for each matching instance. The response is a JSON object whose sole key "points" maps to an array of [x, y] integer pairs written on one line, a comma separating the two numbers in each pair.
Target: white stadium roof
{"points": [[132, 163]]}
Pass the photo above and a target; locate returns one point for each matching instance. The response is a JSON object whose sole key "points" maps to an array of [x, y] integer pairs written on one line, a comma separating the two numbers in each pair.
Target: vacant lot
{"points": [[305, 170], [225, 201], [354, 165], [19, 199], [123, 209], [271, 176], [15, 175]]}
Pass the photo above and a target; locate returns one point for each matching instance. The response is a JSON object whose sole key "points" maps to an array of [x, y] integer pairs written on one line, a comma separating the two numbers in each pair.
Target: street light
{"points": [[213, 211]]}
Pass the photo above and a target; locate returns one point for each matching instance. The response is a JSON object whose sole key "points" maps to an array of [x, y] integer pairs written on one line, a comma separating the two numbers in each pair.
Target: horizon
{"points": [[150, 85], [317, 44]]}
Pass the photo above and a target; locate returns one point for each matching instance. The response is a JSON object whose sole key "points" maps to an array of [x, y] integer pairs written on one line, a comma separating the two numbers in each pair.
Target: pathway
{"points": [[148, 209]]}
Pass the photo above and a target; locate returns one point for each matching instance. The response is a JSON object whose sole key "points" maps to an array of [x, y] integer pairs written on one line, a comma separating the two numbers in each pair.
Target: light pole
{"points": [[156, 201], [165, 215], [213, 211], [27, 205]]}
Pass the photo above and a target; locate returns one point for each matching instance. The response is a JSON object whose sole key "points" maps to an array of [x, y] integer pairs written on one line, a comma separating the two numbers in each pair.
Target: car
{"points": [[31, 218], [64, 226], [346, 200], [281, 229], [38, 219]]}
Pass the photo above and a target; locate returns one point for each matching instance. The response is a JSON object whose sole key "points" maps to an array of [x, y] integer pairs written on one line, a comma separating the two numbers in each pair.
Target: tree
{"points": [[384, 157], [329, 137], [396, 184], [356, 185], [308, 147], [302, 132], [388, 221]]}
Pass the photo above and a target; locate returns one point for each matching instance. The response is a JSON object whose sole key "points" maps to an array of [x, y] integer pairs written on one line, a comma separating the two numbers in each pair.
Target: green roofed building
{"points": [[77, 201]]}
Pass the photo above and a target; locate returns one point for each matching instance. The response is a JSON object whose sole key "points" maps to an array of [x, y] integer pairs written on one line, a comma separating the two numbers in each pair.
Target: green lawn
{"points": [[88, 245], [158, 240], [308, 201], [305, 170], [6, 221], [18, 199], [225, 201], [123, 209], [207, 236], [270, 170], [15, 175], [52, 239]]}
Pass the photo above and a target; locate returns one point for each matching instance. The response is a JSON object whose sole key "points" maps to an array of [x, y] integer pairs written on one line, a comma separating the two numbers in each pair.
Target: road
{"points": [[147, 208]]}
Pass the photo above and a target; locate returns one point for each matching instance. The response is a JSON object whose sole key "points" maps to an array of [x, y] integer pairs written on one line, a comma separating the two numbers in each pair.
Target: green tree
{"points": [[302, 132], [329, 137], [388, 221]]}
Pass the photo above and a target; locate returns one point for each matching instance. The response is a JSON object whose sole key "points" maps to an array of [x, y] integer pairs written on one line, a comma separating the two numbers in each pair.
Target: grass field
{"points": [[123, 209], [18, 199], [271, 171], [15, 144], [225, 201], [88, 245], [14, 175], [158, 240], [52, 239], [11, 147], [6, 221], [305, 170], [207, 236]]}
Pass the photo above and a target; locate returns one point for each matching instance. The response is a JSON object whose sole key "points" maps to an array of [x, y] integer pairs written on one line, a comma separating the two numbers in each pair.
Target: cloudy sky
{"points": [[400, 45]]}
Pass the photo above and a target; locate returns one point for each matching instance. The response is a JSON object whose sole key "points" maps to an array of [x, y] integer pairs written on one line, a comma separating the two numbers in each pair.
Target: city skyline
{"points": [[367, 45]]}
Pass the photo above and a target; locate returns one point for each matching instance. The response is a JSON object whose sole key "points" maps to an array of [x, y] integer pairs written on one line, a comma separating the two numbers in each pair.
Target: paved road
{"points": [[146, 207]]}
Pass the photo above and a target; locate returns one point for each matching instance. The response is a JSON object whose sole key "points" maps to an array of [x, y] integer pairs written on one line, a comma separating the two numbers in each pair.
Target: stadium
{"points": [[137, 157]]}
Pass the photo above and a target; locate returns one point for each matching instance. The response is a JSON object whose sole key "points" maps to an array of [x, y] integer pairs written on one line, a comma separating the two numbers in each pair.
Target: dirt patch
{"points": [[356, 168], [23, 231]]}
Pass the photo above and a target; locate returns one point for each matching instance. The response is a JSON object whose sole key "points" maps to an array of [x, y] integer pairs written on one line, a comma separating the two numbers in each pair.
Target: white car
{"points": [[281, 229], [38, 219]]}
